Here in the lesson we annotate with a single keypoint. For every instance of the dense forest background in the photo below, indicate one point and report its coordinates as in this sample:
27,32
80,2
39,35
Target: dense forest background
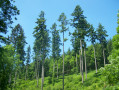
95,66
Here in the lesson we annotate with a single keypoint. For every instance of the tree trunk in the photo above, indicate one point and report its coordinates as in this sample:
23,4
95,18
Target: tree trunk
95,59
26,73
42,76
85,63
80,62
104,56
37,73
10,79
15,78
53,72
81,59
63,60
57,69
76,65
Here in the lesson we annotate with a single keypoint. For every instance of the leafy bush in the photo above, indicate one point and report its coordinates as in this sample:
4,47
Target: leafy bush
111,71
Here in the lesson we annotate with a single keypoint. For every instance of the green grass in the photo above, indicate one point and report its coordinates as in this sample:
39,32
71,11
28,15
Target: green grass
72,82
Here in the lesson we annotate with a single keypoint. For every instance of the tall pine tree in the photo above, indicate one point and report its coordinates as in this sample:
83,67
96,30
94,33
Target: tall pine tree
42,41
93,37
18,40
102,34
55,47
64,22
27,61
80,24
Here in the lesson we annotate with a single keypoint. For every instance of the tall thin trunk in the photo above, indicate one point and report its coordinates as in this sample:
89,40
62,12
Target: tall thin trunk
63,60
104,56
53,72
76,65
81,59
95,59
15,78
26,73
57,69
85,63
42,80
10,79
37,73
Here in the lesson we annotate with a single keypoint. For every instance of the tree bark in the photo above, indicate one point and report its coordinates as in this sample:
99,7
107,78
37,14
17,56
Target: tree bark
37,74
85,63
53,72
63,60
80,62
15,78
81,59
104,56
76,65
57,69
42,76
95,59
26,73
10,79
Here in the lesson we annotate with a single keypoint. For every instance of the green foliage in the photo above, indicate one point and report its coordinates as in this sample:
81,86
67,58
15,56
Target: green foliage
6,65
64,22
111,71
101,35
18,40
118,23
92,34
55,42
90,56
71,82
41,35
7,10
79,22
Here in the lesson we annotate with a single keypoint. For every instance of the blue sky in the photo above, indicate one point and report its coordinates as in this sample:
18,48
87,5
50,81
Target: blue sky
96,11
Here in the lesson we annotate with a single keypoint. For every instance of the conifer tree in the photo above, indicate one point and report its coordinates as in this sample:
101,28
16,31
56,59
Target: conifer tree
42,41
27,60
55,47
93,38
18,41
17,38
76,46
7,11
64,22
80,24
101,35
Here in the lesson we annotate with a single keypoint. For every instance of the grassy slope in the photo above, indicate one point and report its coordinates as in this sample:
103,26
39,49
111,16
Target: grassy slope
72,82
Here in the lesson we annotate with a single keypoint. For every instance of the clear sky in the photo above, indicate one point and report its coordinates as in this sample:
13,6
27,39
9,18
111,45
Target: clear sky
96,11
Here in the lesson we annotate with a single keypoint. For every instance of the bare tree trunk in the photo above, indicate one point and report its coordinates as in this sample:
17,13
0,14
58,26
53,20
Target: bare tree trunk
26,73
37,74
95,59
15,78
57,69
76,65
42,76
104,56
10,79
63,60
53,72
85,63
80,62
81,59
